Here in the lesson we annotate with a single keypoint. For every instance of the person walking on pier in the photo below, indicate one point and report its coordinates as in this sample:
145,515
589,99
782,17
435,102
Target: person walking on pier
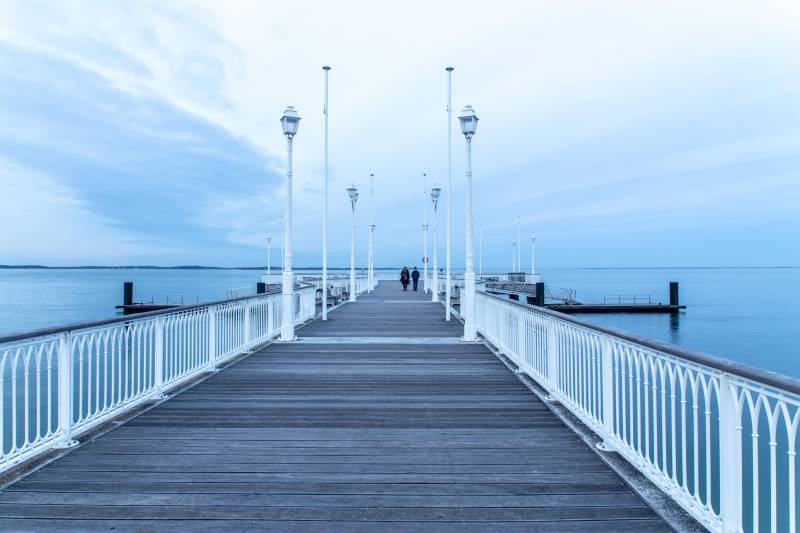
415,278
404,278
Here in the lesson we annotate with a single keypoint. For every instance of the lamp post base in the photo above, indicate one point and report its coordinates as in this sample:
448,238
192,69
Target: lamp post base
470,333
287,307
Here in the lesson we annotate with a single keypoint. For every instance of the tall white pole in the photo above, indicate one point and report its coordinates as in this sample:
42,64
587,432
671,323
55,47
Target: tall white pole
435,288
353,256
468,302
372,259
449,187
513,256
269,253
480,251
519,250
425,232
533,255
370,252
287,281
325,70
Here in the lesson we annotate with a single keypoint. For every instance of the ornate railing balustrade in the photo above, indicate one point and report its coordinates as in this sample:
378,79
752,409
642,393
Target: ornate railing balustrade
719,437
57,383
339,284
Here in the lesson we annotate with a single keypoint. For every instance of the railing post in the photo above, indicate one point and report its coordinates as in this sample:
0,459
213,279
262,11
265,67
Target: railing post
212,339
730,439
552,355
522,338
607,384
65,391
246,314
270,316
158,363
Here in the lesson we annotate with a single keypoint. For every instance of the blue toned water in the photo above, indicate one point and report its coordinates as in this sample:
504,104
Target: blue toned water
745,314
750,315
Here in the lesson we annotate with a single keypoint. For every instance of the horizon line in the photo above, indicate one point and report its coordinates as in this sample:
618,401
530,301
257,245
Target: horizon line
278,269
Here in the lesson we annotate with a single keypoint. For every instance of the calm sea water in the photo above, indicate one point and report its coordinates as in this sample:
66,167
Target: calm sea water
749,315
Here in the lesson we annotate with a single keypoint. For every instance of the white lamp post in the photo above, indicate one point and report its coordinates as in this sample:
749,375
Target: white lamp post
469,123
370,251
269,253
352,192
519,251
372,256
424,232
325,69
480,251
449,188
435,192
290,122
533,255
513,256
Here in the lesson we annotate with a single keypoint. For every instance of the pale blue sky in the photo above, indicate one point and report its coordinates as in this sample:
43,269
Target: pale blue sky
622,133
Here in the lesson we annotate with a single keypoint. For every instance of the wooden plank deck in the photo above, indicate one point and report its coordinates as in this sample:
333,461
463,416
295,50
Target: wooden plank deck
334,434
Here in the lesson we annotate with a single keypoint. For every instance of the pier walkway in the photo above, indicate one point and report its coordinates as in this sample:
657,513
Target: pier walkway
377,420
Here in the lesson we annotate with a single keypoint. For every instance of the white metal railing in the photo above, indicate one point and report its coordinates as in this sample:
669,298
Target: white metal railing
720,438
339,284
57,383
238,292
455,293
362,284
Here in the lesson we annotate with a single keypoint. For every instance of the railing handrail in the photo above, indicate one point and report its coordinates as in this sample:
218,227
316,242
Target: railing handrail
14,337
743,370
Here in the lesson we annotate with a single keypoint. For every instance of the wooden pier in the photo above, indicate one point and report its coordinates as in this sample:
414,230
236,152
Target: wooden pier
378,419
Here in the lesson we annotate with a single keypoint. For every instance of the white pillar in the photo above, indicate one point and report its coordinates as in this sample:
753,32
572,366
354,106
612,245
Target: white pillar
730,436
370,266
480,251
435,284
353,256
269,253
325,203
533,255
449,187
287,280
425,257
425,233
372,256
468,298
519,250
513,256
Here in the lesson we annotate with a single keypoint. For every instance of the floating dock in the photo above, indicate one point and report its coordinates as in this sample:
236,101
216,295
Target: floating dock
536,294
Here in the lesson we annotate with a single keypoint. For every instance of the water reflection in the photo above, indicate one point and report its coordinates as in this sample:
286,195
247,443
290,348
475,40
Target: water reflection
674,328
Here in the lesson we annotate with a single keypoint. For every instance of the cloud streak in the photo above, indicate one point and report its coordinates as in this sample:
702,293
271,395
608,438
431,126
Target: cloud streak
157,122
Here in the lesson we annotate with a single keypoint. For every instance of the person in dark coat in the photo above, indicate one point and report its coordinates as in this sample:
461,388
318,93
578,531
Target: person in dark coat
405,276
415,278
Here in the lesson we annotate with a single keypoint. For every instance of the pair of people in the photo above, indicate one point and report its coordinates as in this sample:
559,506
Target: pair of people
406,276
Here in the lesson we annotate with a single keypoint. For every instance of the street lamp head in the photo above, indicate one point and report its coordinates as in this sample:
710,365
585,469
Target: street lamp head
435,192
533,238
372,227
469,121
290,121
352,191
269,240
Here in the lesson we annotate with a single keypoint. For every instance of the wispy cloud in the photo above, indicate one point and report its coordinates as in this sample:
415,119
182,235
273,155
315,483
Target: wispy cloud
599,122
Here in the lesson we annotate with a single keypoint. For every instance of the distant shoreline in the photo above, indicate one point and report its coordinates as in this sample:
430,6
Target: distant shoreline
490,271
